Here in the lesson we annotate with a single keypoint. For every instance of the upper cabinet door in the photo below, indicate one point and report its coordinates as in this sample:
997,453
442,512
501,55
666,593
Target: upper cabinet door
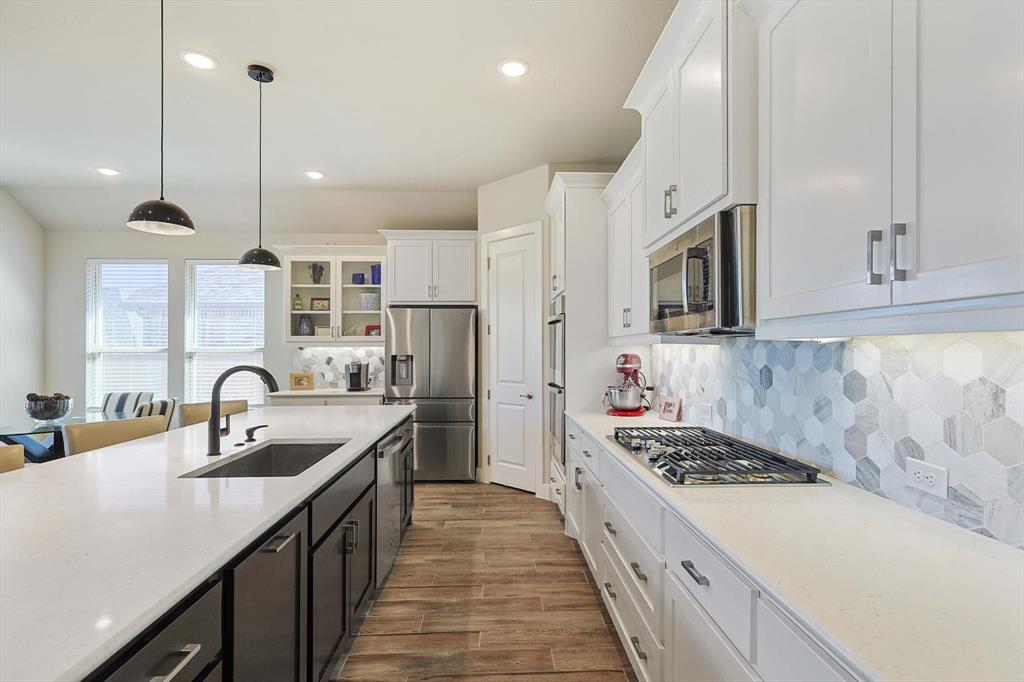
639,314
699,79
659,174
557,250
620,256
410,271
958,126
454,271
825,195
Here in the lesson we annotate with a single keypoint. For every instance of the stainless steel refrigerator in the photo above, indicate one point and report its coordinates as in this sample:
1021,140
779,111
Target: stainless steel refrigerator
430,362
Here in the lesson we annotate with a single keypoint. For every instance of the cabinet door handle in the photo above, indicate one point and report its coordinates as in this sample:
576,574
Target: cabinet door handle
187,652
873,277
665,205
670,210
430,289
576,476
354,525
554,282
608,589
586,453
896,230
611,529
637,572
276,544
695,574
635,641
435,291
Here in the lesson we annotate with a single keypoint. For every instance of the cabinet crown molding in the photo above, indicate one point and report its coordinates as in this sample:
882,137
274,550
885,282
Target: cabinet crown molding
625,177
427,234
651,80
566,181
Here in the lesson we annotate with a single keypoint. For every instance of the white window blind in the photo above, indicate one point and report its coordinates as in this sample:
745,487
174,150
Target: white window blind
224,307
126,328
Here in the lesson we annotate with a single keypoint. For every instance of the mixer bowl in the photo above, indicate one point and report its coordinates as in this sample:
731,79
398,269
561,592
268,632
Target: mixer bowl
626,398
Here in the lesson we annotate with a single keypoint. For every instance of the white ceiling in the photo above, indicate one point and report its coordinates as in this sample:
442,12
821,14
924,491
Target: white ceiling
378,95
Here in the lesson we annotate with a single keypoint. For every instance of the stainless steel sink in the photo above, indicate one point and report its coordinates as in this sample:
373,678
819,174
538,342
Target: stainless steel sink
269,460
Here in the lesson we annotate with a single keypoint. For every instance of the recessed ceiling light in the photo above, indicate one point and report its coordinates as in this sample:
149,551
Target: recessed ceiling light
513,68
107,171
198,60
315,175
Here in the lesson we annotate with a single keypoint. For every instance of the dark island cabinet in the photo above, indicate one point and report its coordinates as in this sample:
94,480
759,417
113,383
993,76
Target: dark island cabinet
341,579
268,608
407,486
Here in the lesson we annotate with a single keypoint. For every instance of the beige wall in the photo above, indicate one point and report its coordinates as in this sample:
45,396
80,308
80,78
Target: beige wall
514,200
22,291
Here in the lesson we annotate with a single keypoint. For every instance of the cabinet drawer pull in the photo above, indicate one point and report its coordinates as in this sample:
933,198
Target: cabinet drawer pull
637,572
573,437
695,574
610,527
635,641
187,652
896,230
872,276
586,453
276,544
608,589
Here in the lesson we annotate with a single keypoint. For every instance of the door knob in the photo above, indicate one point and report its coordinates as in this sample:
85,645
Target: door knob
528,396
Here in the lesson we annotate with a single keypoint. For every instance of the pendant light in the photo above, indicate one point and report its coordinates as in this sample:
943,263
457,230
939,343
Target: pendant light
159,216
260,258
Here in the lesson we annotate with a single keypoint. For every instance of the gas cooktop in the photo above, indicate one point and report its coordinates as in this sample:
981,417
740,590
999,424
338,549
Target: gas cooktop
693,455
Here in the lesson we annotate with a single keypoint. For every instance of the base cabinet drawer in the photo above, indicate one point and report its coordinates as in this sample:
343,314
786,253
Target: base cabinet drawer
726,596
641,568
557,487
642,647
330,504
696,649
633,498
785,654
590,454
183,648
593,528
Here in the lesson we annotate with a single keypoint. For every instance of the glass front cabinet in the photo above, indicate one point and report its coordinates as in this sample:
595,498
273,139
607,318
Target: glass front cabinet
334,300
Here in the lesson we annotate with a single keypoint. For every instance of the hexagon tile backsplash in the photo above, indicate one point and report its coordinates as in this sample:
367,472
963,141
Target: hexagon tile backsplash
860,407
328,364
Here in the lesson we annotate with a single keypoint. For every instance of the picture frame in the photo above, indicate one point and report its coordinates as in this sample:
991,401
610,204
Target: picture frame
320,305
671,409
301,381
372,330
322,331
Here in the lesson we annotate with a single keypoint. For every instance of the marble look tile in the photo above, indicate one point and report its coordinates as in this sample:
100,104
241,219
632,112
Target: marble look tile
880,389
925,426
964,508
855,386
1004,440
868,474
856,441
962,361
906,447
1015,482
909,391
962,433
1004,518
983,474
984,400
1015,402
943,395
894,422
866,414
822,408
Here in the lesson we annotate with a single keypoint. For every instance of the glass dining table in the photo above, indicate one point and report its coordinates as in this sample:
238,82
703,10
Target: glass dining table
25,431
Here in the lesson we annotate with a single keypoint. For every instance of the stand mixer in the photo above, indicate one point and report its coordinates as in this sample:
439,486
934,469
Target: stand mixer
627,399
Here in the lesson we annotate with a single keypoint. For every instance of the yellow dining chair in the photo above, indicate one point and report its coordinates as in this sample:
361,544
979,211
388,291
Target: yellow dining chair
194,413
11,457
80,438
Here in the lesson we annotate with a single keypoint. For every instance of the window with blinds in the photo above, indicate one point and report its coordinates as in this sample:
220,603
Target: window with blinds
224,306
126,328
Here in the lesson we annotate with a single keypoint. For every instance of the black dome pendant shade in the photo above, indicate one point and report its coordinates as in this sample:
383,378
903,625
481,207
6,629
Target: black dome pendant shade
159,216
260,258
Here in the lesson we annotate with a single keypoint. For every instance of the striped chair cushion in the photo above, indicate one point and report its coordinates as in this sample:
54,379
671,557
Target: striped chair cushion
164,408
124,402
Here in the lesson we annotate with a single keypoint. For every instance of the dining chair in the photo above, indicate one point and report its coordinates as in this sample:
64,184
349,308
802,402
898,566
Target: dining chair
165,408
11,457
124,402
194,413
80,438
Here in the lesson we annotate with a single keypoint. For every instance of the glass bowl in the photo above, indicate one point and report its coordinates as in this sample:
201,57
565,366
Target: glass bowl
48,411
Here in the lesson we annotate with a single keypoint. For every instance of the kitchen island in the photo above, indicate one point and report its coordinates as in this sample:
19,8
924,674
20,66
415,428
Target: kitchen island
96,548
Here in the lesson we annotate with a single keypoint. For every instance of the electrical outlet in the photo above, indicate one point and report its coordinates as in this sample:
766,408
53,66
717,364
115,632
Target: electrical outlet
930,478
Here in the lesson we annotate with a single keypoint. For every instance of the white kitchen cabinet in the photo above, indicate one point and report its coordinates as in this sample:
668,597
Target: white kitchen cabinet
696,649
431,266
556,247
958,168
628,273
593,511
574,495
340,311
786,654
696,97
884,185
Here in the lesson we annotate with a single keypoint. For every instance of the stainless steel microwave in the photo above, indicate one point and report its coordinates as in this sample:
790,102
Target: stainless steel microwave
702,282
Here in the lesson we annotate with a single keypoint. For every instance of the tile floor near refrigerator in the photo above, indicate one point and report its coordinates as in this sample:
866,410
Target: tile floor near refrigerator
487,587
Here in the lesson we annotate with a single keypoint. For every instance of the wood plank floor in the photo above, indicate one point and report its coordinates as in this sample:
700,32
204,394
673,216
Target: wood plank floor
487,588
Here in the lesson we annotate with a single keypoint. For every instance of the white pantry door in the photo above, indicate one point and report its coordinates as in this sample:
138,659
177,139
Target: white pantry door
514,361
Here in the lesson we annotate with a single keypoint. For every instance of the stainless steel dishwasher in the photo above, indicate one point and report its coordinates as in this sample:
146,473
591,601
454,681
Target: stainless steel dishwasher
391,457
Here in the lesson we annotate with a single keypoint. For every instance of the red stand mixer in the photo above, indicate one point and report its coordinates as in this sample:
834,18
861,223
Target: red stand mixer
627,399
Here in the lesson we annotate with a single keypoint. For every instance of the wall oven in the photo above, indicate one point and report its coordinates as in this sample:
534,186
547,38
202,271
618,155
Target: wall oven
702,282
554,413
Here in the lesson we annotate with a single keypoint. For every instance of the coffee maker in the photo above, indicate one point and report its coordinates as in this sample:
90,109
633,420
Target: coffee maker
356,376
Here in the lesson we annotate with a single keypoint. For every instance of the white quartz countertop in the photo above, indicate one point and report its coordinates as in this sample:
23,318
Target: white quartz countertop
895,593
326,393
95,547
